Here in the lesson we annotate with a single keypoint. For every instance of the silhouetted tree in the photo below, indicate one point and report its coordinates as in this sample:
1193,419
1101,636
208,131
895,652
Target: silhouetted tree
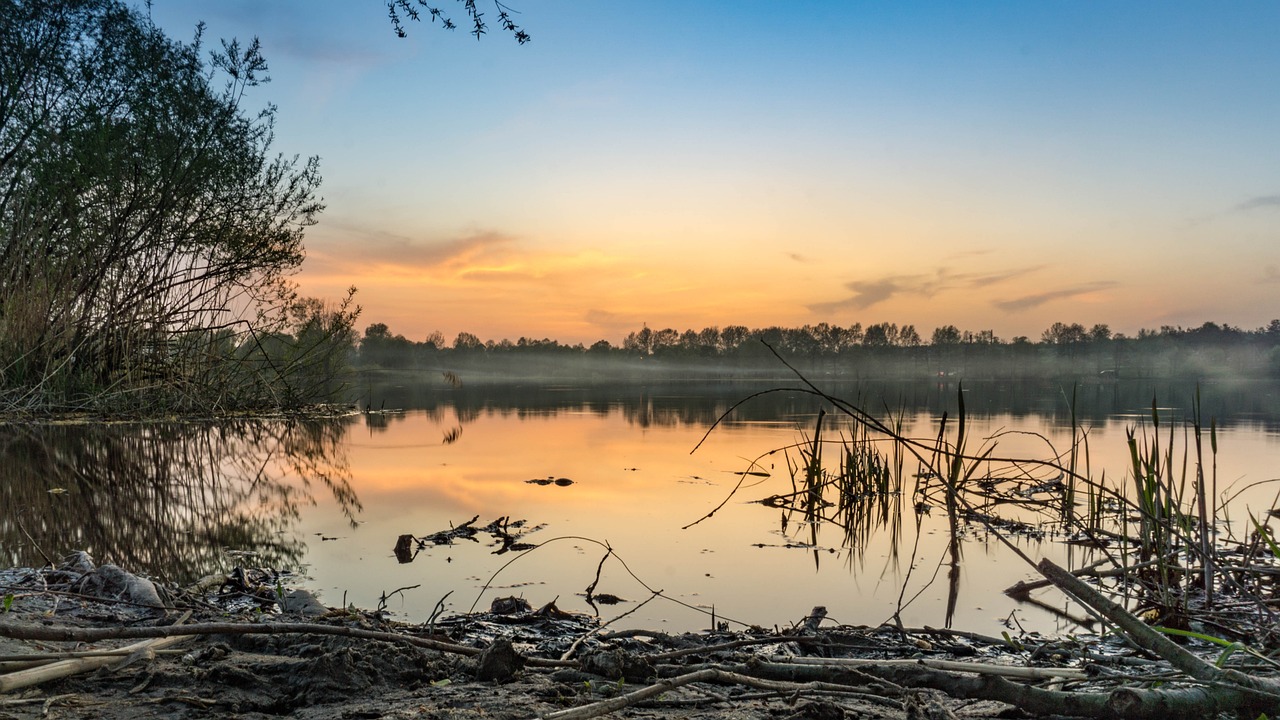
142,212
1063,334
945,335
467,342
410,9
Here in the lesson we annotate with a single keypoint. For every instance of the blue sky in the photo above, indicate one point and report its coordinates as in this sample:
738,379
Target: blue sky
683,164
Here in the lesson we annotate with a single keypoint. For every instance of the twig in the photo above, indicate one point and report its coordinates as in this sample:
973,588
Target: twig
1024,673
569,653
603,707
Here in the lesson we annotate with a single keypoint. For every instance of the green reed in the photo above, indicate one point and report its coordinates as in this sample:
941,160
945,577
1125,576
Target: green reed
1157,529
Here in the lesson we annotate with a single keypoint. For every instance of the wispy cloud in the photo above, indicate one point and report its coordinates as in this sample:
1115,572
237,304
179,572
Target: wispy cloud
867,293
798,257
1262,201
392,253
1038,299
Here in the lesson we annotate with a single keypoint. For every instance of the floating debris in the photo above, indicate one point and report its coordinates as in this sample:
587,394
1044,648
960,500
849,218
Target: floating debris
408,546
550,480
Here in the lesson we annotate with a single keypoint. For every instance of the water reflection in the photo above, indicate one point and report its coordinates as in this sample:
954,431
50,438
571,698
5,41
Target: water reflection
168,499
672,403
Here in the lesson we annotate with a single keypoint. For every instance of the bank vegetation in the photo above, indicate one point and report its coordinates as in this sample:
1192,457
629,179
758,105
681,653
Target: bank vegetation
147,228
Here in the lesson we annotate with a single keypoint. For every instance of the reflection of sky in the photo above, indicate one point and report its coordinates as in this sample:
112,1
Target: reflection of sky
410,482
997,166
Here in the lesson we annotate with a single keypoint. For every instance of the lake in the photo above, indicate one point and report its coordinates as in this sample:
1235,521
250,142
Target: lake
329,499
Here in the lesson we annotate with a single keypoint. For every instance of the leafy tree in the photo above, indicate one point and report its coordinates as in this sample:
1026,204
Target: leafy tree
908,337
1063,334
413,9
142,212
946,335
881,335
467,342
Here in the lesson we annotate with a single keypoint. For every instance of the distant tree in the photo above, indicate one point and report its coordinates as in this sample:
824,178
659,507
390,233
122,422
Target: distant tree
466,342
908,337
1063,334
665,340
1099,333
982,337
734,336
434,340
410,9
881,335
945,335
709,341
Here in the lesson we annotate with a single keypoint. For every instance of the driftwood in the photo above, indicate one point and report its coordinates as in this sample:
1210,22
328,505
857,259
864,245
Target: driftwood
889,682
71,634
1228,690
34,676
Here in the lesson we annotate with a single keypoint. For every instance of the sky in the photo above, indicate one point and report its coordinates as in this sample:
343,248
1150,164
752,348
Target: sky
989,165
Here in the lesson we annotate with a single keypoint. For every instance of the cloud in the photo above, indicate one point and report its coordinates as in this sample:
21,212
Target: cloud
611,322
1038,299
1262,201
867,293
798,257
363,249
1270,275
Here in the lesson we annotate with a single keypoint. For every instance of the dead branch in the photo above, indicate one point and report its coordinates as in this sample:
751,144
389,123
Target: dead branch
603,707
74,666
71,634
1153,641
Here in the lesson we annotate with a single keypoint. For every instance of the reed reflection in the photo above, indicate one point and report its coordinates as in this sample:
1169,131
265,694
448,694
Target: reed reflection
169,499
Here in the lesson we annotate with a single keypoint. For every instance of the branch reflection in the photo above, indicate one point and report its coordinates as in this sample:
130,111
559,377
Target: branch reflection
168,499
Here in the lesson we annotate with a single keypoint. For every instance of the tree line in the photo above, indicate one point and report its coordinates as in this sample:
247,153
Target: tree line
1166,350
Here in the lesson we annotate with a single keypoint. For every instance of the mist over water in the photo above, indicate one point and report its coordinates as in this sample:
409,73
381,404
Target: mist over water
331,498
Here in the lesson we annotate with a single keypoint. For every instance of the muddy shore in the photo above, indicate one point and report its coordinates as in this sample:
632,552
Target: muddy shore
286,655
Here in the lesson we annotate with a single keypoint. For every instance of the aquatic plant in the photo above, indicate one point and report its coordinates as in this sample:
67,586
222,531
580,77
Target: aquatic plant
1160,538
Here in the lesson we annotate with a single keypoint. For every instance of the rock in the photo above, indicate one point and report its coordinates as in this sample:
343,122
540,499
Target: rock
302,602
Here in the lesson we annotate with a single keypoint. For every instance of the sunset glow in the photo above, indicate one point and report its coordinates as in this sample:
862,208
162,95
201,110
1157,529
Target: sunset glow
705,164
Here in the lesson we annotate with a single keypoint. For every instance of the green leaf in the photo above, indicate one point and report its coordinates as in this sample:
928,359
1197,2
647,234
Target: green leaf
1265,534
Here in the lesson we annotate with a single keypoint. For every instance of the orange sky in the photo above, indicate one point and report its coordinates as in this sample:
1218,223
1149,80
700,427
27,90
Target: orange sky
992,167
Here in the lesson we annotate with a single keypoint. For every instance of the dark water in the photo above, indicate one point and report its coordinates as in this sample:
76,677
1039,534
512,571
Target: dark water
329,498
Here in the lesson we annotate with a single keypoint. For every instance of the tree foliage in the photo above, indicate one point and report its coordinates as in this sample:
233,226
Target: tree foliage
147,231
400,10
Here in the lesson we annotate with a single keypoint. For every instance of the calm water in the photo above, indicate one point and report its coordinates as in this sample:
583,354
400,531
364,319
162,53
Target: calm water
329,499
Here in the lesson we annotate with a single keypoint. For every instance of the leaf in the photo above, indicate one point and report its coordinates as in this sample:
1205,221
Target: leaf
1265,534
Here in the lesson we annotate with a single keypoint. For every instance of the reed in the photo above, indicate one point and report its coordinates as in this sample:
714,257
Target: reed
1160,531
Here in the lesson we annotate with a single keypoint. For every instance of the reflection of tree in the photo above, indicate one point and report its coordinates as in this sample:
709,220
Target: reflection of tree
675,403
167,498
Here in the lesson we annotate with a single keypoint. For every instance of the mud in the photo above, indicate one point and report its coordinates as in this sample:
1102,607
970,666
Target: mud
326,676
